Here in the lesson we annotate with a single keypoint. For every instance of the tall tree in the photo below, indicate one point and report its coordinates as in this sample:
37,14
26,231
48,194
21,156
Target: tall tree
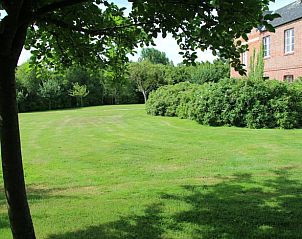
147,76
154,56
80,32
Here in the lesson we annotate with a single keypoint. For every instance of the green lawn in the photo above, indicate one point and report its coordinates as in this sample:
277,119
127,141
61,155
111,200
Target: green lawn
113,172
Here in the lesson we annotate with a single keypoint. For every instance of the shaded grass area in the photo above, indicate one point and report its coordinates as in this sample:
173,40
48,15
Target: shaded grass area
224,210
114,172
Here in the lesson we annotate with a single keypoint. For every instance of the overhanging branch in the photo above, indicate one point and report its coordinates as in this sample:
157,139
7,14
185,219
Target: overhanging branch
55,6
94,32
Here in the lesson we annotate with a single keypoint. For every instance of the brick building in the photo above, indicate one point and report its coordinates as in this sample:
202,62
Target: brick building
282,49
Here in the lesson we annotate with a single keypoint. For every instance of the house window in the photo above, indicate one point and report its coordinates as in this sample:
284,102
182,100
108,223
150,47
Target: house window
289,41
244,59
267,46
288,78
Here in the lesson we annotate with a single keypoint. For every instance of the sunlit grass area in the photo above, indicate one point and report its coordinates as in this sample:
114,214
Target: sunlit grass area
113,172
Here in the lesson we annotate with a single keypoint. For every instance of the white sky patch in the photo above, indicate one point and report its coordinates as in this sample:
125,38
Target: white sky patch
124,4
279,3
170,47
3,13
25,55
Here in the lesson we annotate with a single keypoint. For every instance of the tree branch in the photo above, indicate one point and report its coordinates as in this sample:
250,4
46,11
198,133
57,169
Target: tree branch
55,6
94,32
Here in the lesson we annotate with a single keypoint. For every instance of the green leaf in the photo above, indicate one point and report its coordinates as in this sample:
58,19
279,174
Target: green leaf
271,17
269,27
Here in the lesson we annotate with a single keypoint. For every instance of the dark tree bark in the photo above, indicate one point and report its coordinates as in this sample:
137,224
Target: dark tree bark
12,37
13,176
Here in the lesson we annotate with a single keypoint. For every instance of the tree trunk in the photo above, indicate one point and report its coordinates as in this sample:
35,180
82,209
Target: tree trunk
13,176
12,38
145,96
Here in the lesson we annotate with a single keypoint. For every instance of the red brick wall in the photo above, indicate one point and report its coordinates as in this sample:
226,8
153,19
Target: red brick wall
279,64
254,42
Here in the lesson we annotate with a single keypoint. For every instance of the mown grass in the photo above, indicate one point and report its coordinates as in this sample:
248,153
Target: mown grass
113,172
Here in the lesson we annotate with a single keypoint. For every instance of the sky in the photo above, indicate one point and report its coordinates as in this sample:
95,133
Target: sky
167,45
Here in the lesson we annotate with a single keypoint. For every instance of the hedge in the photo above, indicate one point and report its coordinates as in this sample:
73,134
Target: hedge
232,102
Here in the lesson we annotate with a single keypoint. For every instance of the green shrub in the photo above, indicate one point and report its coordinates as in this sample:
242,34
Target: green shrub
186,99
209,72
232,102
165,100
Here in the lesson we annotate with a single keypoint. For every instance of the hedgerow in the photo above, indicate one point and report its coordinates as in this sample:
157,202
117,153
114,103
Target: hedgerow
232,102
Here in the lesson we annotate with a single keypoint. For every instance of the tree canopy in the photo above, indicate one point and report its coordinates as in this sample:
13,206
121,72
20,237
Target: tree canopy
154,56
70,31
147,76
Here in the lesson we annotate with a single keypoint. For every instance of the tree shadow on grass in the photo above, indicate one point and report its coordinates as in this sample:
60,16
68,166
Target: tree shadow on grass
33,195
146,226
229,210
234,209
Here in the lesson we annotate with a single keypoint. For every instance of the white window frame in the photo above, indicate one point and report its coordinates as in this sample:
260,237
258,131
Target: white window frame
289,41
244,59
266,46
288,78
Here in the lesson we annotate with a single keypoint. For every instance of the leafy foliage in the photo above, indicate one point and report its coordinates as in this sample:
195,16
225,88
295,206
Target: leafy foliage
232,102
79,92
61,38
177,74
209,72
41,89
147,76
44,89
166,99
201,25
256,69
61,34
50,90
154,56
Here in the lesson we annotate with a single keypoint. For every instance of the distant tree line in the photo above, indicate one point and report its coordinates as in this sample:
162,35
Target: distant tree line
46,89
41,89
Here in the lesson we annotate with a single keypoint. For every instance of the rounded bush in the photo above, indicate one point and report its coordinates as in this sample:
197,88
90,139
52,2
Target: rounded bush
165,100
